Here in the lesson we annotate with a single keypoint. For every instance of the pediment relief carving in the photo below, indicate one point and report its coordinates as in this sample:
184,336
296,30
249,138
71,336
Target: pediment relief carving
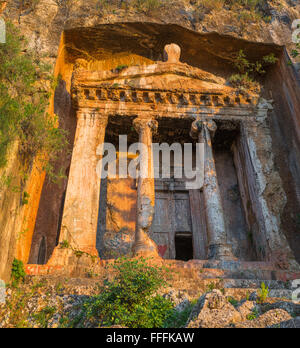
170,82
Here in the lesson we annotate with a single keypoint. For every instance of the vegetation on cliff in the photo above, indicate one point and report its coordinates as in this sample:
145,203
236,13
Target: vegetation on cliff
132,293
247,10
248,72
130,299
129,295
25,85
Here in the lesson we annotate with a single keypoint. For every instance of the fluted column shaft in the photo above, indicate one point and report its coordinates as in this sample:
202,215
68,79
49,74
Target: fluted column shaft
144,245
218,247
80,216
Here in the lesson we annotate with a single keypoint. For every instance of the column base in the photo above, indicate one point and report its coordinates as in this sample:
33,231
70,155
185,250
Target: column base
220,252
145,250
73,257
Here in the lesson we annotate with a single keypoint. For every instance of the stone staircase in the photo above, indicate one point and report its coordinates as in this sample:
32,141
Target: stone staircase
198,274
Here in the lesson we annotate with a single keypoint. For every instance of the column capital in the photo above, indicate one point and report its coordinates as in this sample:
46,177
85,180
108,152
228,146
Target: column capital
92,116
142,123
198,126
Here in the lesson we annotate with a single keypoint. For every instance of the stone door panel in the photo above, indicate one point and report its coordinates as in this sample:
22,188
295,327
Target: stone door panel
182,213
173,217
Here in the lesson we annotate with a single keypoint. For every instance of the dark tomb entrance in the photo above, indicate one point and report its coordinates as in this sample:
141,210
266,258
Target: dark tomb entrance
184,247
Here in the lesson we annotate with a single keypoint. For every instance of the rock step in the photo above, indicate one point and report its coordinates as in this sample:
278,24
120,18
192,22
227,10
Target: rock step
236,269
201,269
256,283
249,274
278,289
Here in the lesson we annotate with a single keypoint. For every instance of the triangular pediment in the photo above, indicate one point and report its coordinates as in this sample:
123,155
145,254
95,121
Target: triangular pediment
163,86
159,76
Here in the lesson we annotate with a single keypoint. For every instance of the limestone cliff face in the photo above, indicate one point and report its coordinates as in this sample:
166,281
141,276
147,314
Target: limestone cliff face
62,32
43,21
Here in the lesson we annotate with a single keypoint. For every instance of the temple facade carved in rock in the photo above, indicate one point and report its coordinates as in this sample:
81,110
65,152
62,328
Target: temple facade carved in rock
166,102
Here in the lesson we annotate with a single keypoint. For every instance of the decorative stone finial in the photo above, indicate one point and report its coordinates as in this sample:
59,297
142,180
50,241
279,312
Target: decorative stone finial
172,53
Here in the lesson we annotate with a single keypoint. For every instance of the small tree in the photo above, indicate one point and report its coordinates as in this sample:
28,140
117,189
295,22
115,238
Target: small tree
17,273
131,298
248,71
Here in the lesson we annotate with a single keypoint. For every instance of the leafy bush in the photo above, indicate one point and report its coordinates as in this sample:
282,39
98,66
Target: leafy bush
178,319
253,315
131,298
233,301
249,71
25,84
243,81
17,273
246,8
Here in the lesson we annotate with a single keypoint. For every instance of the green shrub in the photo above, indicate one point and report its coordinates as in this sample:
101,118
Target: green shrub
253,315
177,319
149,5
263,293
43,317
25,89
295,53
130,299
119,68
64,245
243,81
17,273
233,301
25,198
249,71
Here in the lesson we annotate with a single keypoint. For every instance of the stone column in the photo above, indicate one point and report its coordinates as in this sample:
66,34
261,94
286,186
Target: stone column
80,216
218,247
144,245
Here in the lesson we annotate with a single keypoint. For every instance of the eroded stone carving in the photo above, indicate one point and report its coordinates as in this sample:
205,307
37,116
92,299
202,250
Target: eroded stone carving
144,245
172,53
168,89
218,246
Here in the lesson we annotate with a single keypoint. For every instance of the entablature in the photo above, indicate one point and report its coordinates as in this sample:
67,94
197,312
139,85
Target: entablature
166,89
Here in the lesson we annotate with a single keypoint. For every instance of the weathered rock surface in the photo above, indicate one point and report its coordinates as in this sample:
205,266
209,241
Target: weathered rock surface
290,324
83,38
213,310
246,308
273,317
58,302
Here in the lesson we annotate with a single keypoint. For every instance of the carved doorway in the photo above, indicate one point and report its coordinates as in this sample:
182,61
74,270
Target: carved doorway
179,226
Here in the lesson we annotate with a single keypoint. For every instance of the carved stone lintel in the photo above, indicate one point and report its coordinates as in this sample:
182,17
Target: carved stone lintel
91,114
